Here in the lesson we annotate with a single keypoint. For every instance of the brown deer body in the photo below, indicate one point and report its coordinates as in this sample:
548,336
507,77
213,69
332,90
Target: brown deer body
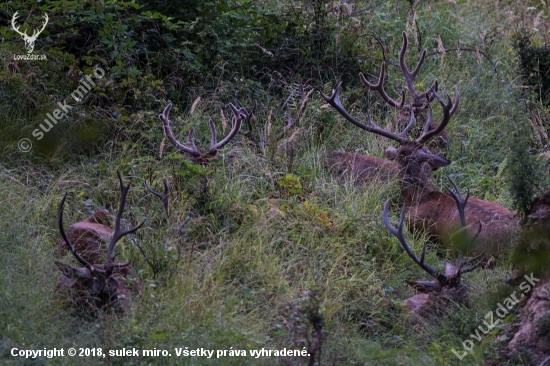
363,169
435,212
427,208
90,236
438,219
97,285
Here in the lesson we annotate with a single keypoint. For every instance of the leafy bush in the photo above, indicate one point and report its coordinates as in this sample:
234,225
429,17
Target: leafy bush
535,65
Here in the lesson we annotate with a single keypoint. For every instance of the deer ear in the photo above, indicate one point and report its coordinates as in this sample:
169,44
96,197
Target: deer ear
425,286
391,153
72,271
416,301
450,269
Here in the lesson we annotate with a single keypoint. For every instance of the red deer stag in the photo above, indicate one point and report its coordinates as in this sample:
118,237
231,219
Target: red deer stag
429,209
191,149
446,288
365,168
97,286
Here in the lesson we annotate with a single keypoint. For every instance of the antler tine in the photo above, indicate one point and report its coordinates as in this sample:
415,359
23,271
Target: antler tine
164,197
60,210
16,29
399,234
213,135
460,205
334,100
428,94
456,102
429,121
35,32
236,122
379,87
118,233
412,121
460,202
478,231
448,110
191,139
409,76
193,151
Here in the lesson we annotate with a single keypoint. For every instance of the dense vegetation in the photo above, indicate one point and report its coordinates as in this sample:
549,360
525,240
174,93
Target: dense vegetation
278,253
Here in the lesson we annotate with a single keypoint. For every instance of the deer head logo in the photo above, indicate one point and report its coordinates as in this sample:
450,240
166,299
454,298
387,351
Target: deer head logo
29,41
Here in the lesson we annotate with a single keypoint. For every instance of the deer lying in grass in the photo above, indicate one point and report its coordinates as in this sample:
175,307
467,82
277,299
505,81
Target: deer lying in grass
97,286
447,287
366,168
191,149
363,169
428,209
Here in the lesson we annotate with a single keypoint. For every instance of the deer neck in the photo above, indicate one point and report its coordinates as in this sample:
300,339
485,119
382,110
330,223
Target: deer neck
415,184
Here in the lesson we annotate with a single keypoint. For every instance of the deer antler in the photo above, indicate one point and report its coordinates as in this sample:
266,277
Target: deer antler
451,277
449,109
36,33
399,235
164,197
98,285
419,102
401,138
24,34
409,76
198,157
461,204
60,210
118,232
334,100
15,28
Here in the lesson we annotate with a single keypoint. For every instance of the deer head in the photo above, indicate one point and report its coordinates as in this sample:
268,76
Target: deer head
446,287
29,41
191,149
412,153
95,285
